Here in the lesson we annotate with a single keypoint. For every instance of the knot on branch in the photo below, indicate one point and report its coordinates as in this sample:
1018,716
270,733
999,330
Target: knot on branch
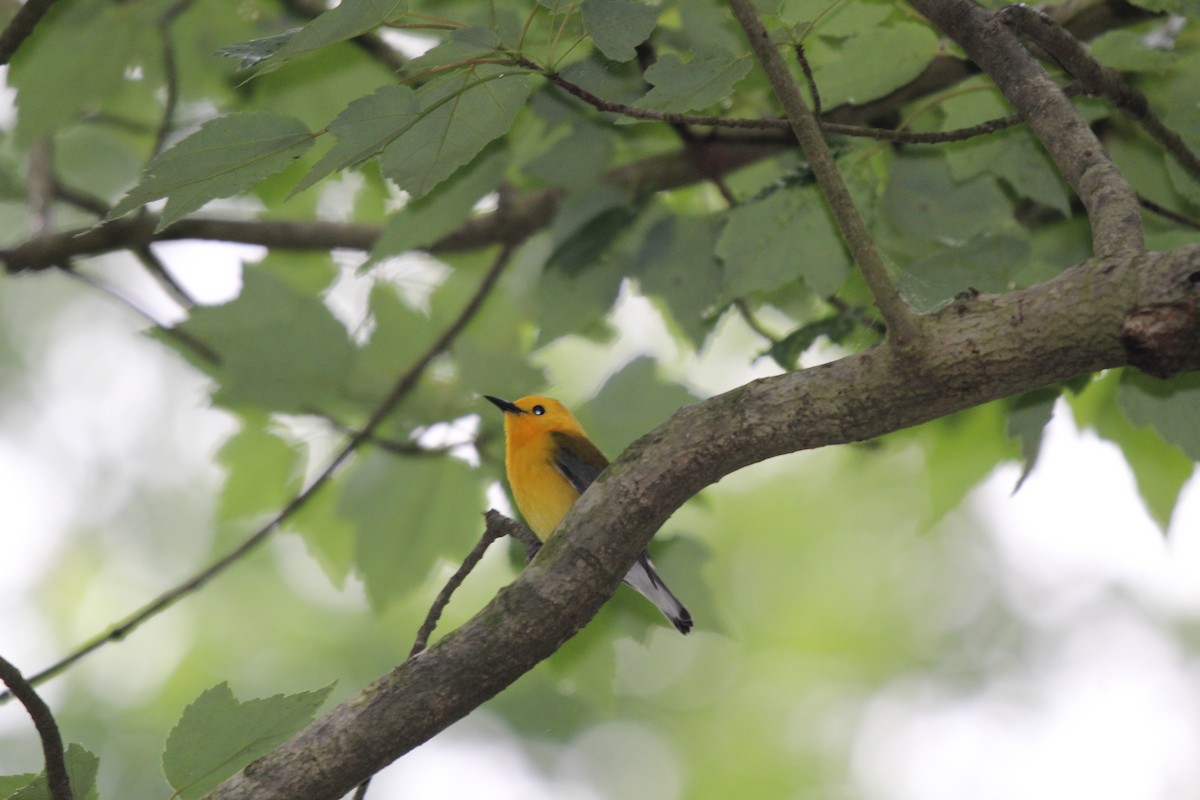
1164,338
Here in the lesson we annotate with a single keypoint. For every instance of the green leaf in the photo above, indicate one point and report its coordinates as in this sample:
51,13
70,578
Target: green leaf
787,351
225,157
256,50
263,472
616,27
872,63
678,264
960,451
344,21
366,126
986,262
400,335
423,222
1012,155
280,349
787,236
1127,51
459,116
216,735
614,422
327,537
1027,419
1170,407
577,160
82,769
1159,469
76,59
704,81
462,45
1184,8
407,512
594,238
924,201
11,783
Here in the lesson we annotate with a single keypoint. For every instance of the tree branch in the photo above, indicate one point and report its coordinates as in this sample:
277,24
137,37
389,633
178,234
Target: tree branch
21,26
1055,331
991,43
47,728
405,384
1101,80
902,324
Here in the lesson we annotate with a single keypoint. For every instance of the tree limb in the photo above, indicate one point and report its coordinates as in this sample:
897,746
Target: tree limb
1068,326
902,322
991,43
47,728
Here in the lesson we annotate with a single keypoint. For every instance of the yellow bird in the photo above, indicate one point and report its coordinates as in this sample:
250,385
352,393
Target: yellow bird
550,461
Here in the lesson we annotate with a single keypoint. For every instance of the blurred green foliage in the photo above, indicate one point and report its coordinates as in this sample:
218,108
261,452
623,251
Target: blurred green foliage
815,580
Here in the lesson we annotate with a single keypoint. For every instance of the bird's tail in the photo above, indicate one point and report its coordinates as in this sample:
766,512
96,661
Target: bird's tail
645,580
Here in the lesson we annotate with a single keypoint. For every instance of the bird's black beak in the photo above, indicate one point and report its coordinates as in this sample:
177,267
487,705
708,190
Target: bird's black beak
504,405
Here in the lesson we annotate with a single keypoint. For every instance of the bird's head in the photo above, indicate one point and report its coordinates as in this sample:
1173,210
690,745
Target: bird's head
534,415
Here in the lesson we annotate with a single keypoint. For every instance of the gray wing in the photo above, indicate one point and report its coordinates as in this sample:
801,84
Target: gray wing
577,460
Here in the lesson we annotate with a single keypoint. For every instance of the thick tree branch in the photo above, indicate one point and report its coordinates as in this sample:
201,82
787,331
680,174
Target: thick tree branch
902,322
1055,331
992,44
47,728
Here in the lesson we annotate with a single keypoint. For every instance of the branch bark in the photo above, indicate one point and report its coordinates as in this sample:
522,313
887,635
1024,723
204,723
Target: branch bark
1071,325
902,322
57,779
991,43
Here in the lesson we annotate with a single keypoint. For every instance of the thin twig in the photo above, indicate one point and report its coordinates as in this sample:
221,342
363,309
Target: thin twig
20,26
405,384
743,308
170,74
809,78
47,728
158,271
490,534
1166,213
169,331
902,322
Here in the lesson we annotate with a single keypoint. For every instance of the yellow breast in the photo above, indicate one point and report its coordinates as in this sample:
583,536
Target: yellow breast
543,494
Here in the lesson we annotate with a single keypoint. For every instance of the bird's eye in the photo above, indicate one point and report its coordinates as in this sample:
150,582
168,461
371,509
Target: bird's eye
538,410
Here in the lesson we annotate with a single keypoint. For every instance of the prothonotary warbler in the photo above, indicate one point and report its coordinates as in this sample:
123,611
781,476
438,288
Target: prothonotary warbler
550,461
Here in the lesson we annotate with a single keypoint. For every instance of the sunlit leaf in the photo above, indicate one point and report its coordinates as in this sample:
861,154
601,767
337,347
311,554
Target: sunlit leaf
408,512
217,735
279,349
262,471
82,769
1160,469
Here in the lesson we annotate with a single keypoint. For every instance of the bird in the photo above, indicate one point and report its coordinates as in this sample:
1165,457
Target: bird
550,461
